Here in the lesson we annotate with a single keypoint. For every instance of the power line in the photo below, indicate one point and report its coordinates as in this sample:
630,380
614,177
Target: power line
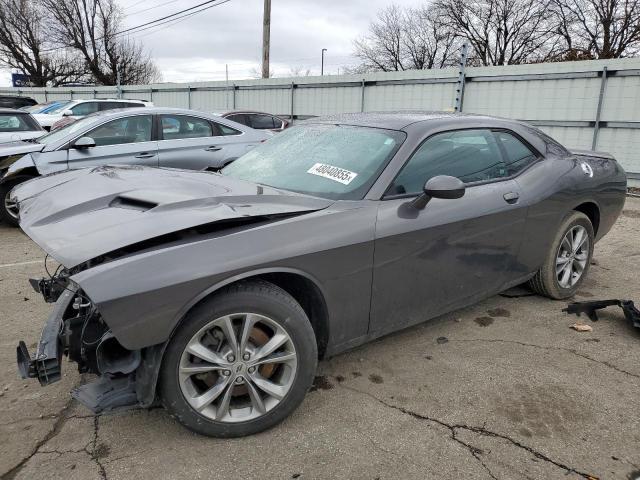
135,4
171,16
174,20
150,8
162,21
170,23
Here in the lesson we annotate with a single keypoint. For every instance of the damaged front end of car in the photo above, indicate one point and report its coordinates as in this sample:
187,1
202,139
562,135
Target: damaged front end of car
119,235
75,329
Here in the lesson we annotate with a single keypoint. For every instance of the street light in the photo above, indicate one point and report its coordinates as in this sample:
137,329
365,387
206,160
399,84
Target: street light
322,63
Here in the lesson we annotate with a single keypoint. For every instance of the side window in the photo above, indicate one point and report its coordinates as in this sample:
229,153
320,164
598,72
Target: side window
470,155
123,130
517,154
239,118
85,108
262,122
113,105
181,126
16,123
226,130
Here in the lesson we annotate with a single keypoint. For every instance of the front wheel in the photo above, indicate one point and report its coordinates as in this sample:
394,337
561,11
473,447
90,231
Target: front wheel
240,363
568,260
8,207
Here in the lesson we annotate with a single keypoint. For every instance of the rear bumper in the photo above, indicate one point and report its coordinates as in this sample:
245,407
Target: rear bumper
45,365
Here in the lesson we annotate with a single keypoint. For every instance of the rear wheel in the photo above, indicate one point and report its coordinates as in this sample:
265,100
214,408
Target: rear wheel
568,260
241,362
9,207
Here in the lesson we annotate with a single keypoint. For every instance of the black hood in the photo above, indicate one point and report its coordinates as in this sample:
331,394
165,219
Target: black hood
79,215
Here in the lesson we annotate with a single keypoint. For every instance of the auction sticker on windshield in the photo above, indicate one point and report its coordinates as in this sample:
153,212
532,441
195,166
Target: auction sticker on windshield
333,173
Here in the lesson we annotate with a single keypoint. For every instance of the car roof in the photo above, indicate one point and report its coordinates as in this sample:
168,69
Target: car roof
399,120
82,100
13,110
232,112
118,112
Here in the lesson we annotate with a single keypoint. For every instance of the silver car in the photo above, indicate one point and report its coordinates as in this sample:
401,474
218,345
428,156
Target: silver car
158,137
17,125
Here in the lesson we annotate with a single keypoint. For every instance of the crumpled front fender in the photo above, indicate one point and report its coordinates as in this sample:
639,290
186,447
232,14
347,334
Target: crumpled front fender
17,166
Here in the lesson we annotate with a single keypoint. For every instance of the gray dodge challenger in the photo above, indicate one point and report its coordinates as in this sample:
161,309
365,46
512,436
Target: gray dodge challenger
215,294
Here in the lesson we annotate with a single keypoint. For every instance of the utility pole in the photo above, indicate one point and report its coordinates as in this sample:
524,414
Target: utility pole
266,36
322,62
461,78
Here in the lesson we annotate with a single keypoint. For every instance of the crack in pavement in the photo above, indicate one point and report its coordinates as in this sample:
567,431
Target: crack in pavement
61,419
93,453
475,452
550,347
480,431
91,449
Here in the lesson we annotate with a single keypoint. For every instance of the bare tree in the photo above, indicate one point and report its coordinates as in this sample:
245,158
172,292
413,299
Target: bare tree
299,72
24,45
91,27
402,39
256,73
503,32
429,42
598,28
381,48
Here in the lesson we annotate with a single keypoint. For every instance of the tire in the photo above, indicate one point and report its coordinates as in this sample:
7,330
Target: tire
547,281
6,216
237,411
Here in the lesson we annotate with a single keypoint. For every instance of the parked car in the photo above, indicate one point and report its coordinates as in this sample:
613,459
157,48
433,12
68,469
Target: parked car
16,125
219,292
75,109
15,101
257,120
43,107
180,139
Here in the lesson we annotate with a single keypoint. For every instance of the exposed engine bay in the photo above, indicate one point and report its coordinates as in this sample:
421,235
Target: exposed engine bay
76,330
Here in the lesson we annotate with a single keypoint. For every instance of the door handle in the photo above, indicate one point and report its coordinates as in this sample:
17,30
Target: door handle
213,148
511,197
145,155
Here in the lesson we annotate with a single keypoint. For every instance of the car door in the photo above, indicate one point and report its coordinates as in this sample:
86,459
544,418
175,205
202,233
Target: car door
454,251
196,143
125,140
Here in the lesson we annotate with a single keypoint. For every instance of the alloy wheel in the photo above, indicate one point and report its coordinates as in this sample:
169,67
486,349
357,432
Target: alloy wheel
237,368
572,257
10,205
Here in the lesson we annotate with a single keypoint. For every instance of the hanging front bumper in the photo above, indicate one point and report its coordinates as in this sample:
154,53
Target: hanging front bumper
45,364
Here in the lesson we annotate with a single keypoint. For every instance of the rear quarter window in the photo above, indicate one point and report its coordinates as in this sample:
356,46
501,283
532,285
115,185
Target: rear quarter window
517,155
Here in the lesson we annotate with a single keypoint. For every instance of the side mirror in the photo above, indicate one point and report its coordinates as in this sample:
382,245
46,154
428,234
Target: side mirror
442,186
67,113
84,142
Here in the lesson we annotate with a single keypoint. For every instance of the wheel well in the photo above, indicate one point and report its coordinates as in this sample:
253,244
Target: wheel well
22,175
592,211
310,298
307,294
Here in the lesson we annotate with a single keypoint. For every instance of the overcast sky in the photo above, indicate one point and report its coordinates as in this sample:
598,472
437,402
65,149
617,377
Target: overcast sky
198,47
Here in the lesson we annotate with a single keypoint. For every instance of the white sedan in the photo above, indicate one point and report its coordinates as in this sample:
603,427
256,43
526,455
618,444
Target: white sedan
16,125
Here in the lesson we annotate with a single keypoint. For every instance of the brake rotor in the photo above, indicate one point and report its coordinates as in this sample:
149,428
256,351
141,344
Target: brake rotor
258,338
